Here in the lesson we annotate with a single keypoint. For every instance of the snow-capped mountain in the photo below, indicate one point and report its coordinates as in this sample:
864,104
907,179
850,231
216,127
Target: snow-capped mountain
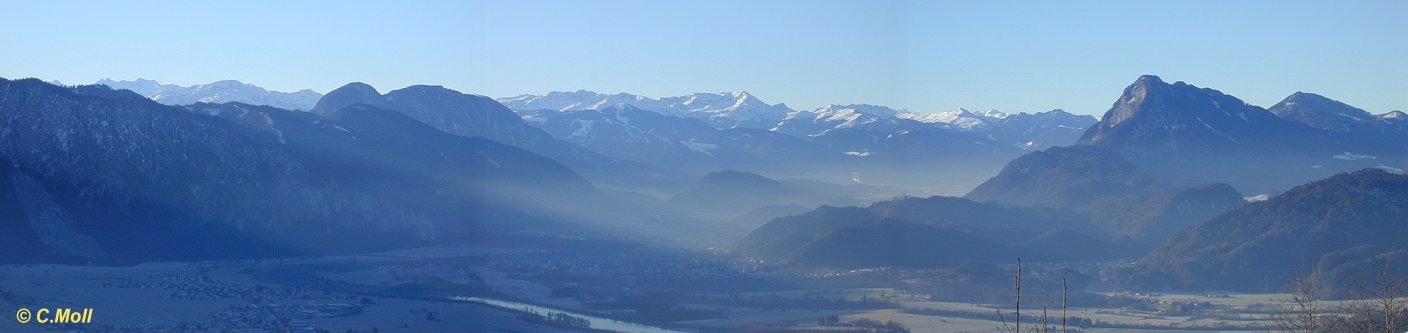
960,118
1394,116
628,132
809,123
1041,130
722,110
843,143
1029,131
743,110
217,92
728,110
580,100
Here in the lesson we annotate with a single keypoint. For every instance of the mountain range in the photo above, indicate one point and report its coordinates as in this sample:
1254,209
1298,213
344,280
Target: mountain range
1186,135
100,175
1155,125
95,174
722,110
864,144
697,133
1164,159
217,92
744,110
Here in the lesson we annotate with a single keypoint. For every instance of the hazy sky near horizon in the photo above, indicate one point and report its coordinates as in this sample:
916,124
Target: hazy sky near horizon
919,55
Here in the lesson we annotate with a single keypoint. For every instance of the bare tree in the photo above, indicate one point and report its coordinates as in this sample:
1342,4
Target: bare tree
1045,327
1017,327
1063,304
1303,312
1380,305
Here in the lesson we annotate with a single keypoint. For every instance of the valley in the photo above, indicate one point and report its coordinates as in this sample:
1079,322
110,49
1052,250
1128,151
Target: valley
728,166
425,209
401,290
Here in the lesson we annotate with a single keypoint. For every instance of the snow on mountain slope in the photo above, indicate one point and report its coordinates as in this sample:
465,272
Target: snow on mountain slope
960,118
744,110
579,100
722,110
831,117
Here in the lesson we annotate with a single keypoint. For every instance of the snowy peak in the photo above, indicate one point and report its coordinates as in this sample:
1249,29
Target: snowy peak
564,101
994,114
1394,115
865,109
742,109
960,118
824,119
725,103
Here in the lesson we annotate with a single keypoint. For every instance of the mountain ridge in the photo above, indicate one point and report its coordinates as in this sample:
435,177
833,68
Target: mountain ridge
1187,135
217,92
1260,245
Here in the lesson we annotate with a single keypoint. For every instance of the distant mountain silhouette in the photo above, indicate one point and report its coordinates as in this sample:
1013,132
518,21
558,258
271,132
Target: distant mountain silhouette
1119,200
1037,131
724,110
444,109
1064,177
924,232
897,244
626,132
217,92
1143,221
780,239
731,193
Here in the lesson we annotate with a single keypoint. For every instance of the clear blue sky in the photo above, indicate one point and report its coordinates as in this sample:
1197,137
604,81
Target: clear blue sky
919,55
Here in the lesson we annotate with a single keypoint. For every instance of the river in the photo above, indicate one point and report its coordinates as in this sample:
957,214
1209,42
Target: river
596,322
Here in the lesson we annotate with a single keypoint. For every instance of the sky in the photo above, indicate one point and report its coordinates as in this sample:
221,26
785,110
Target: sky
925,56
